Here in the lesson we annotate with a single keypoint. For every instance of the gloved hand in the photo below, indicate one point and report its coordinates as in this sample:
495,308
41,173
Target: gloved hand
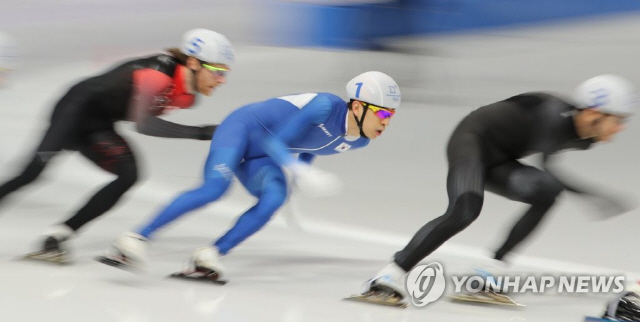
315,182
207,131
608,206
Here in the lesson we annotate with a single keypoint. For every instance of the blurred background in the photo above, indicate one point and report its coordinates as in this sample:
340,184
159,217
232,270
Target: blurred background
448,57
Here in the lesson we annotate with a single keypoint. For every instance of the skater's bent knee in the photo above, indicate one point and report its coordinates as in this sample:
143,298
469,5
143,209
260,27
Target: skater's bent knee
551,189
544,191
276,196
470,203
128,174
466,209
271,202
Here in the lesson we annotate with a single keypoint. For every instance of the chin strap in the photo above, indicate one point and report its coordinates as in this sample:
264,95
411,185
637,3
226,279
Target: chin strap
595,123
195,80
361,121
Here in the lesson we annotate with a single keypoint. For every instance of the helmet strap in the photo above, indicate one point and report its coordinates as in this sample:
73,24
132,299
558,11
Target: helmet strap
361,120
594,123
194,73
194,79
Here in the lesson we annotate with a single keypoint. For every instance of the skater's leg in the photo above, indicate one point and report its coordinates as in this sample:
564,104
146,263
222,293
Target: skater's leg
465,183
63,124
111,152
465,189
208,192
108,150
28,175
227,150
265,180
528,185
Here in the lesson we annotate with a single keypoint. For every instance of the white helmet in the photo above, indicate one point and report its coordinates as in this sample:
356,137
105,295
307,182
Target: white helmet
375,88
609,94
208,46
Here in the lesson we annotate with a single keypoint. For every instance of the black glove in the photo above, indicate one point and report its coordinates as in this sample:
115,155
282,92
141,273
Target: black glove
606,206
610,206
206,132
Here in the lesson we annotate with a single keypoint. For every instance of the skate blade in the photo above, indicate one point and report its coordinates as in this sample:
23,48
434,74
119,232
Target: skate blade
377,299
495,300
44,257
117,264
198,278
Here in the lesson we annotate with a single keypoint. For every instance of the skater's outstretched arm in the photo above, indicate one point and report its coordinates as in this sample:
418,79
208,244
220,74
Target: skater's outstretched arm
607,204
547,165
155,126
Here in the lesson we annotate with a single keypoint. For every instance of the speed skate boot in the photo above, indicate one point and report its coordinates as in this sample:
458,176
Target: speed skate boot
204,265
53,249
130,252
490,289
625,307
387,288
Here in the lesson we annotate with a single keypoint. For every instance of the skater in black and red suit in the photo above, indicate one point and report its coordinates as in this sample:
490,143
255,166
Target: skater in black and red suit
138,91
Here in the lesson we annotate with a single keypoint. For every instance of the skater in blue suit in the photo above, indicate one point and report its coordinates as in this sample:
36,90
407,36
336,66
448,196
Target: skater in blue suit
255,143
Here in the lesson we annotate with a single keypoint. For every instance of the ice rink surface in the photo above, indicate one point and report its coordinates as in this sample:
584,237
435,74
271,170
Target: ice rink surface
289,273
